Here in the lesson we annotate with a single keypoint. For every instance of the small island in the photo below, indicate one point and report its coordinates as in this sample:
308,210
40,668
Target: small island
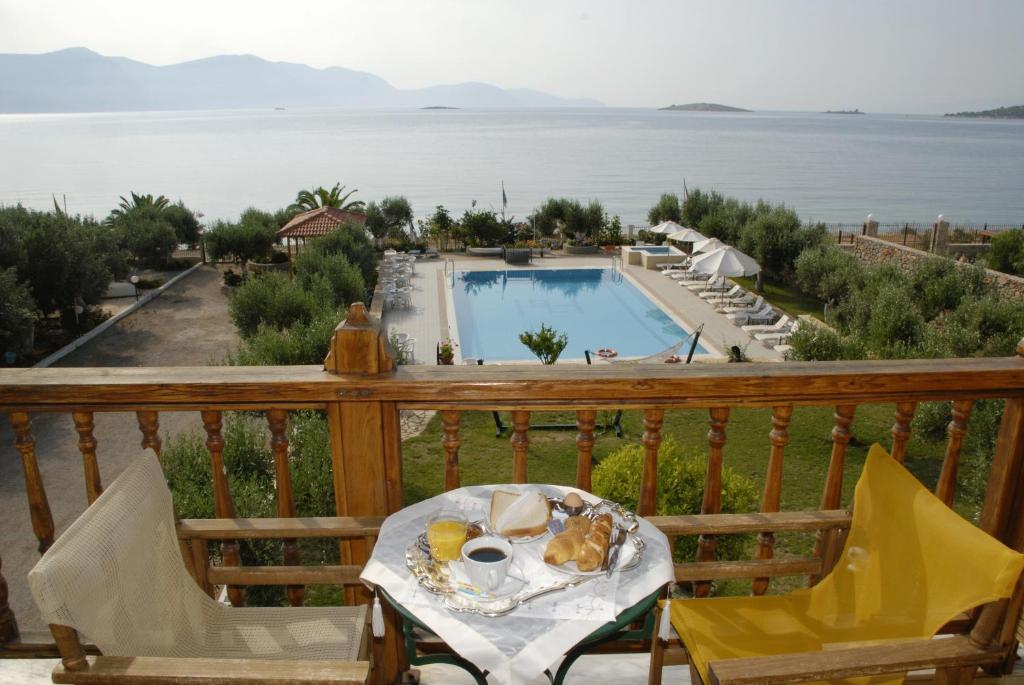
1014,112
439,107
843,111
701,107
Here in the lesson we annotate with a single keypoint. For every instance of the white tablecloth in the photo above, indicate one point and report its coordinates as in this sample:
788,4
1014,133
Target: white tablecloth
517,647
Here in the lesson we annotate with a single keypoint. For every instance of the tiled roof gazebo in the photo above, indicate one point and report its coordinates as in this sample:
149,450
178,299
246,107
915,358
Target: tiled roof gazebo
315,223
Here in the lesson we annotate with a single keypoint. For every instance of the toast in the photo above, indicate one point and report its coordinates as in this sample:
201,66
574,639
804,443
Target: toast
519,515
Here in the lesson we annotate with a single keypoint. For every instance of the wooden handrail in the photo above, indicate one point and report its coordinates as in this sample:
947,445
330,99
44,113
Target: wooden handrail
483,387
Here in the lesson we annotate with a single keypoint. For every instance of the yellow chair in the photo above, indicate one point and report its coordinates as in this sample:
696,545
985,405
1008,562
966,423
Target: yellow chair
910,565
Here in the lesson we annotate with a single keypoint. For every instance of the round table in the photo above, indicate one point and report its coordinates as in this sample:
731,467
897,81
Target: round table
527,642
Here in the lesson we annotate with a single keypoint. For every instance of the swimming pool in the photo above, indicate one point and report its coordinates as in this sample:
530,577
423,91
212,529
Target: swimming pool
594,307
652,249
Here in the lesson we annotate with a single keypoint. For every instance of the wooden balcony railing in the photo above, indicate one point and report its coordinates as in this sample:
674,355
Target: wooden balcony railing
361,392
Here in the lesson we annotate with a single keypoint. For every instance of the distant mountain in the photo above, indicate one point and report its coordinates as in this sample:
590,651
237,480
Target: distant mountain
843,111
1015,112
80,80
701,107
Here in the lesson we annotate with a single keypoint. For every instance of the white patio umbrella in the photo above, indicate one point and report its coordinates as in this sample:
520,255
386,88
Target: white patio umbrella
687,235
726,261
665,227
708,245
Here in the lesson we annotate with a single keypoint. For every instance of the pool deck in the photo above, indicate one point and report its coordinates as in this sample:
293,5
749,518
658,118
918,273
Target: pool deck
427,319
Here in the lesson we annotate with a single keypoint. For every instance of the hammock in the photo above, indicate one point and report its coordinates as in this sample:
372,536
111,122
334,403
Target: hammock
656,358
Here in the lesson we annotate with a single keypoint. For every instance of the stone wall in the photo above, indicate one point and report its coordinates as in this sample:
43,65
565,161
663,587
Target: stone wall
875,252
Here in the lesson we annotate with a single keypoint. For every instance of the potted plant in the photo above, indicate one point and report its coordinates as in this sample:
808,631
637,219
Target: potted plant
446,352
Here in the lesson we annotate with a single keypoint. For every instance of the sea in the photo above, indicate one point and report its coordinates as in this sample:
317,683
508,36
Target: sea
829,167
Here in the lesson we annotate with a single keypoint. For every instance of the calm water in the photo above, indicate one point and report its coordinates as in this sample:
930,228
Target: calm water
829,167
493,307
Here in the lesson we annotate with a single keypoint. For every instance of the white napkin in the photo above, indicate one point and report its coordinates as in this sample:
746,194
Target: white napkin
515,510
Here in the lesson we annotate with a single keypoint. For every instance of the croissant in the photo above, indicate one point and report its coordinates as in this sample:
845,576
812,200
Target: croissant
580,523
563,547
595,545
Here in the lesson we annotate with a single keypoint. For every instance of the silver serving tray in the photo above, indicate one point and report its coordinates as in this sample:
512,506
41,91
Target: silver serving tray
434,576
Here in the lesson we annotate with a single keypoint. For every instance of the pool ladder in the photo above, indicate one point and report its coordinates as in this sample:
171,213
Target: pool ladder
617,262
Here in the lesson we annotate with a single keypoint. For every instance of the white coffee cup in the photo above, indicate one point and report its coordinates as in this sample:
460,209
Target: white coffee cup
487,560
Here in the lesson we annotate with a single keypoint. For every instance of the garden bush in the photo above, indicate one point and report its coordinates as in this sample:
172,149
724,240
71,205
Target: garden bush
827,273
698,204
1007,252
666,209
680,490
252,238
819,344
350,240
17,312
726,220
184,222
313,268
939,285
275,301
775,237
301,343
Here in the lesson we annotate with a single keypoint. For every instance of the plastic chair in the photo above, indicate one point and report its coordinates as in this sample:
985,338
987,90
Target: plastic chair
909,566
117,577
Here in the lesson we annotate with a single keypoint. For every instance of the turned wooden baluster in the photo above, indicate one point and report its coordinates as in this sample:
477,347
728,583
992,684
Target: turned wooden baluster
901,429
222,504
520,443
772,499
957,429
38,505
825,542
85,425
450,441
278,422
651,439
712,503
585,421
149,424
8,626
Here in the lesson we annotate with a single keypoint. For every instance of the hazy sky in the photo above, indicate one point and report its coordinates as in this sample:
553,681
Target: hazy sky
879,55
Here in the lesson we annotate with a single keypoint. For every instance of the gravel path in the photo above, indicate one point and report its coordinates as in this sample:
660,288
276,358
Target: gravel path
188,325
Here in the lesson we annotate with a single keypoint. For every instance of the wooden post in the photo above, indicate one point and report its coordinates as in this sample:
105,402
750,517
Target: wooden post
832,495
366,458
450,442
772,499
901,429
277,419
520,445
712,502
585,420
945,489
71,653
38,505
149,424
222,505
84,425
653,418
8,626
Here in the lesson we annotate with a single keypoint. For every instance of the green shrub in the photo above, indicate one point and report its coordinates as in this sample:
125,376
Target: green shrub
547,343
17,312
995,324
344,281
250,467
301,343
827,273
680,490
1007,252
252,238
272,300
481,228
775,237
895,325
818,344
938,285
726,220
698,204
184,222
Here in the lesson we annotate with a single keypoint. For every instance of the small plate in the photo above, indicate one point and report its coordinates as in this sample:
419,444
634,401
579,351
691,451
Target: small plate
511,586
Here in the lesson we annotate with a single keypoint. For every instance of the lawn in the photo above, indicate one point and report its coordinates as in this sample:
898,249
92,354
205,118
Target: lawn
786,298
552,455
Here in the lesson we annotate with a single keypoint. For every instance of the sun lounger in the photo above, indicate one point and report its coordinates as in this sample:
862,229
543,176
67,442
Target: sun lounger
697,279
766,313
784,322
786,350
735,291
757,304
688,275
718,285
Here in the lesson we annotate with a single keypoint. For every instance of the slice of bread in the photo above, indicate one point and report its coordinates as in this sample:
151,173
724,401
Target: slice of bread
519,515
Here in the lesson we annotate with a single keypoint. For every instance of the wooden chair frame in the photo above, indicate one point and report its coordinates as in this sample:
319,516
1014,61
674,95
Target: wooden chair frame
195,534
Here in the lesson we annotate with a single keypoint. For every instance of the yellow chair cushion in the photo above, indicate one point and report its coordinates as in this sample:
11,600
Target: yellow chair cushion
910,564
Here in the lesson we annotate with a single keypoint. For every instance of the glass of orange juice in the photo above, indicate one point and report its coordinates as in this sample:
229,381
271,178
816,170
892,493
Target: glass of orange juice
446,533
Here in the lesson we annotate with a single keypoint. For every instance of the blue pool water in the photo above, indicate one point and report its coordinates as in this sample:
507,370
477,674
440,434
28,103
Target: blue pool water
652,249
594,307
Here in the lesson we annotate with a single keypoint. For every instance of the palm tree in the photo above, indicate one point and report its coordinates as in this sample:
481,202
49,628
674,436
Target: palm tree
321,197
138,203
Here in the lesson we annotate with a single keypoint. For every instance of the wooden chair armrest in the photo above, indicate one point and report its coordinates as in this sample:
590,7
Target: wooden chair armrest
265,528
834,664
731,524
122,670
